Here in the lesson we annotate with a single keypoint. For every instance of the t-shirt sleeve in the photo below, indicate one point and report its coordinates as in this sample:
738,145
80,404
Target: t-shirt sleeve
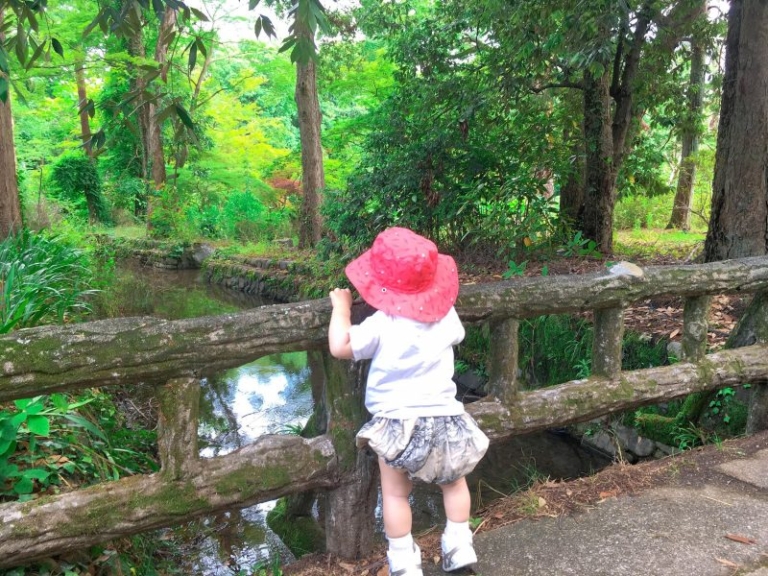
364,338
457,328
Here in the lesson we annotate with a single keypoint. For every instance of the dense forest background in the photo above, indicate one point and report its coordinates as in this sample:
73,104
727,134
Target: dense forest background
507,129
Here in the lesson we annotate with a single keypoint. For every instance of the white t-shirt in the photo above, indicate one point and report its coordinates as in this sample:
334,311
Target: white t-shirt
411,365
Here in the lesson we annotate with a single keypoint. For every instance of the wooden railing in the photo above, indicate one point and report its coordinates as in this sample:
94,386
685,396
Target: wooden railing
175,355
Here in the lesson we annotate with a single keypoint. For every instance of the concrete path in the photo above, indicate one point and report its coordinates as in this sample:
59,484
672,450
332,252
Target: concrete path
707,518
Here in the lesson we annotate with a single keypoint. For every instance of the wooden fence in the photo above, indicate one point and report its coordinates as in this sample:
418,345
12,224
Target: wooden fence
175,355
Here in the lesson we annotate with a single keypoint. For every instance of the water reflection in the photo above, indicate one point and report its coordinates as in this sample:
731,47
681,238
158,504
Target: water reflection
269,396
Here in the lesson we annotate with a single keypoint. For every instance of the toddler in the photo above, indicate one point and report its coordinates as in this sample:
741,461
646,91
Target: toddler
418,428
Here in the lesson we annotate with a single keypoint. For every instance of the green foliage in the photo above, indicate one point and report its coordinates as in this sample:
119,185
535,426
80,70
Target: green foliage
269,568
247,219
42,279
581,247
76,178
48,440
554,349
514,269
302,534
635,212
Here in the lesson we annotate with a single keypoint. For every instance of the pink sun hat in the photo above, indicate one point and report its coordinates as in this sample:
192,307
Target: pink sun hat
403,275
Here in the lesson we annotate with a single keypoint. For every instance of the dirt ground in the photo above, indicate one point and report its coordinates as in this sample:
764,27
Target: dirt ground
555,499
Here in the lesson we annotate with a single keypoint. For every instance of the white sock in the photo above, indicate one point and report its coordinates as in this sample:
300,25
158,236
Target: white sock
457,528
404,543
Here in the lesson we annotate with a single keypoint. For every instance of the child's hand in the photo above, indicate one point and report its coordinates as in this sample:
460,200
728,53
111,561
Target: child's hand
341,298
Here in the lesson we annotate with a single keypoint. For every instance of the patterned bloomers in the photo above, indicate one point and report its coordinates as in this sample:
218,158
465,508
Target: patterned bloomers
439,449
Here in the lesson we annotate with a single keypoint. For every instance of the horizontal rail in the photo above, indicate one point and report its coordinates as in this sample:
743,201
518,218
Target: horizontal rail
272,467
130,350
276,466
589,398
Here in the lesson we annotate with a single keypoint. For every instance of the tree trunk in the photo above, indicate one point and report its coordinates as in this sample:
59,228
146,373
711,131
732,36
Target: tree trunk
738,224
155,135
10,205
681,210
82,99
313,177
139,85
608,139
572,190
600,174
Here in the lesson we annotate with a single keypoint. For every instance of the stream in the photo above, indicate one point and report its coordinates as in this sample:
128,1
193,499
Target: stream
272,395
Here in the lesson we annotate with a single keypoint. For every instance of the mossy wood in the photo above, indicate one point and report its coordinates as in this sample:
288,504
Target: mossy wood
270,468
590,398
46,359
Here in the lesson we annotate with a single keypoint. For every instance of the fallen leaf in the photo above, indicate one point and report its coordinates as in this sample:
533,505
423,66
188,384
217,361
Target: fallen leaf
727,563
610,494
740,538
674,333
348,567
498,515
383,571
542,502
436,559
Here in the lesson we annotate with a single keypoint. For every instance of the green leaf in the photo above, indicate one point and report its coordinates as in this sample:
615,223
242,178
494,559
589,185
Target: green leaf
39,425
3,90
264,24
57,47
23,486
3,60
192,55
252,4
200,15
87,424
184,116
36,474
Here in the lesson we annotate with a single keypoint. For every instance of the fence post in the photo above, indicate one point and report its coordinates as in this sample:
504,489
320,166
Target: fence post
179,401
753,328
350,516
502,360
695,326
606,345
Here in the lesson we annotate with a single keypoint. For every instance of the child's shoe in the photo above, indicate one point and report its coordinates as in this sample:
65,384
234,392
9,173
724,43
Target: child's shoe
405,563
458,551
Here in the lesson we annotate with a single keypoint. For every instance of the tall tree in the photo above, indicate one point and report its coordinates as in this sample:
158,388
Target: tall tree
312,173
738,223
308,19
10,206
681,208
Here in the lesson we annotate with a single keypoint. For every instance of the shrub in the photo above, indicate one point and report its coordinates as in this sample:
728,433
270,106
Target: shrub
42,279
77,179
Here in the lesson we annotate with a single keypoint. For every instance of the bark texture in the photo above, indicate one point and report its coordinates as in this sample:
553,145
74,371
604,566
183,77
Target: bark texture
583,400
10,205
681,208
738,223
82,100
271,467
313,175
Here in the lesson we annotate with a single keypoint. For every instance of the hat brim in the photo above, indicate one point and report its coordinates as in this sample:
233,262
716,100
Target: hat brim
428,305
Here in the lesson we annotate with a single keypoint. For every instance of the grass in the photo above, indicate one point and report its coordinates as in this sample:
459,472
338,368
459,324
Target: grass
654,242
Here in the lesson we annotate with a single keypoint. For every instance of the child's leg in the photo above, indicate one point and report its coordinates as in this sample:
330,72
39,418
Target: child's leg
456,500
395,490
458,550
404,556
